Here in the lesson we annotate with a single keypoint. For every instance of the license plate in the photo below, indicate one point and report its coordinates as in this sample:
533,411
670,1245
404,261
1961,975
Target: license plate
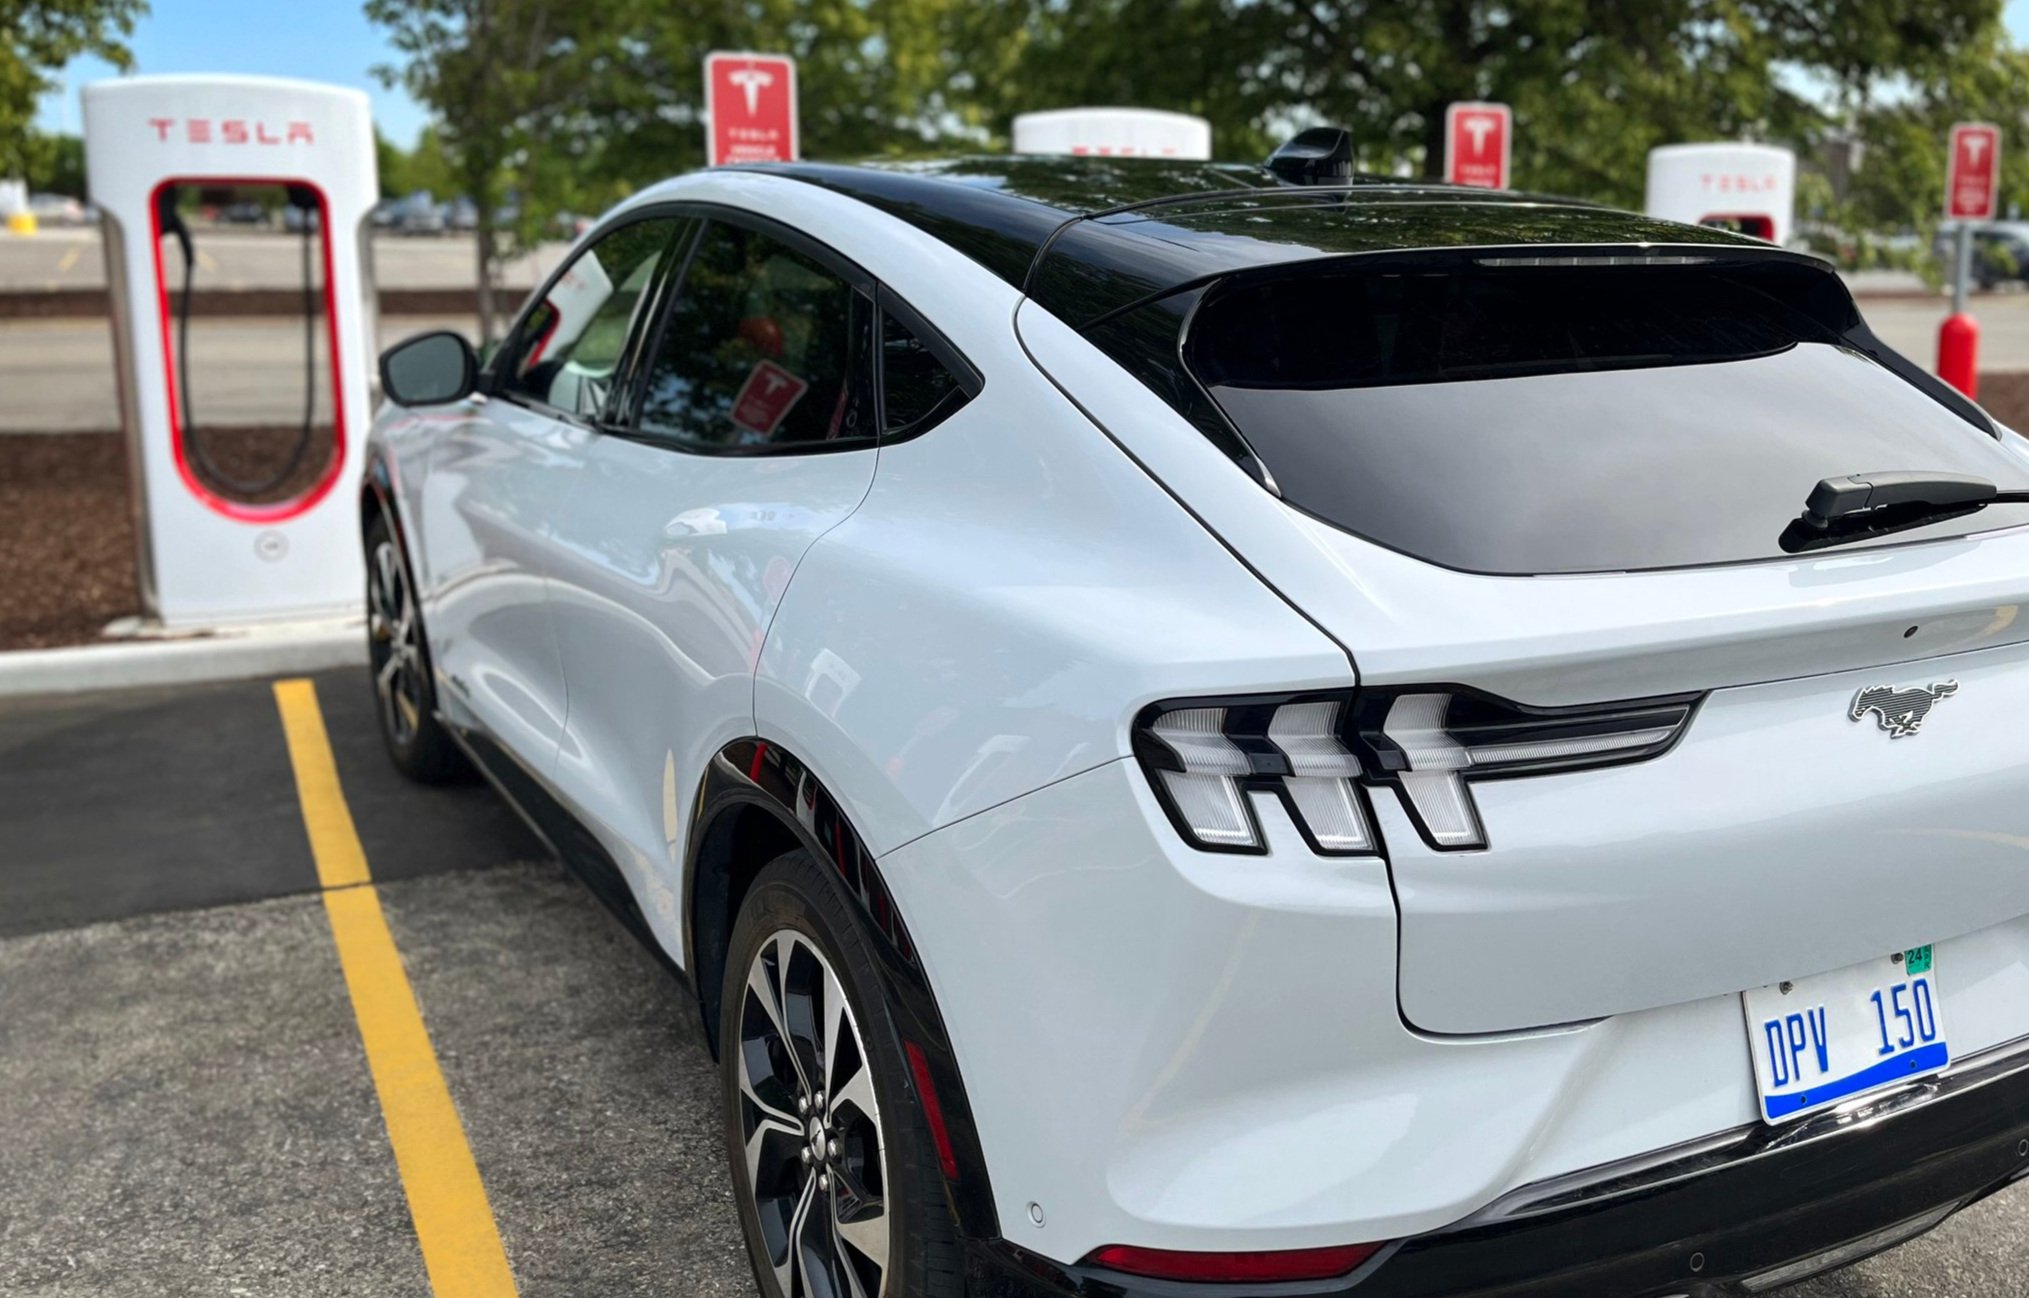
1821,1041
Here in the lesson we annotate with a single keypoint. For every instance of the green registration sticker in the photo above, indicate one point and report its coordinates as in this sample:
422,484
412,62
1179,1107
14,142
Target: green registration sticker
1916,959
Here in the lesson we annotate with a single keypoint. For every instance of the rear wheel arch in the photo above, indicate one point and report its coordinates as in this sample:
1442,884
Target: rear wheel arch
756,801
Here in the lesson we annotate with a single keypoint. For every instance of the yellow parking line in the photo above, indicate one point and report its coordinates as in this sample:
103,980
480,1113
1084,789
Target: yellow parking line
447,1201
70,259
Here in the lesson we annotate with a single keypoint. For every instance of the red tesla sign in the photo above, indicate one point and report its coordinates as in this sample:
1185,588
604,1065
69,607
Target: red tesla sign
1476,138
750,103
764,400
1973,180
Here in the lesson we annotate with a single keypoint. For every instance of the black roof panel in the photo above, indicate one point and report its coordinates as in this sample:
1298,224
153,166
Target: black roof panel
1001,210
1087,236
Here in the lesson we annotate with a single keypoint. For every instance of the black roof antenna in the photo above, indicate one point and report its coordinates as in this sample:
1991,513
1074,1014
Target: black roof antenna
1322,155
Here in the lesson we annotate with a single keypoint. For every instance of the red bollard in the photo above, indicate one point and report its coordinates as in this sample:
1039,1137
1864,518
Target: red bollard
1958,353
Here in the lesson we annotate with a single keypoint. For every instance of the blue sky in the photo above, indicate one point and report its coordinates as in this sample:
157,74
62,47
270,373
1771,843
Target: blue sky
320,40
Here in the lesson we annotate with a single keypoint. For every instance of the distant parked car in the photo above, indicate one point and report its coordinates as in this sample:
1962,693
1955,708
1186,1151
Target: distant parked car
416,213
2000,252
297,219
423,221
57,209
245,212
461,214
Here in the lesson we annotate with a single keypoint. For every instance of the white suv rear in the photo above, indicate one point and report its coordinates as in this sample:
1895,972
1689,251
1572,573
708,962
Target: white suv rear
1189,729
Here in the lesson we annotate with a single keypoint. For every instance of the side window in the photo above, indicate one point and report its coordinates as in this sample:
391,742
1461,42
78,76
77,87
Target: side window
917,389
764,347
567,353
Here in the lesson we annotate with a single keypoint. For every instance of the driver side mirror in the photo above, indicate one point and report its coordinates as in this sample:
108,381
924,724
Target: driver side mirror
431,369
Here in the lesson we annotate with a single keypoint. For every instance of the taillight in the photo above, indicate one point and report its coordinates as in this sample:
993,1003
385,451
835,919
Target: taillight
1283,1266
1315,751
1203,757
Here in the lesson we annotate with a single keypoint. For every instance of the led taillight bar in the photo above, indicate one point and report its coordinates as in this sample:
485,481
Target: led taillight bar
1316,751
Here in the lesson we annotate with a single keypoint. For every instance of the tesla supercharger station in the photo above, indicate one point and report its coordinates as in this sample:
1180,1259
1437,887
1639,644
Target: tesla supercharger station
1751,188
1114,132
245,434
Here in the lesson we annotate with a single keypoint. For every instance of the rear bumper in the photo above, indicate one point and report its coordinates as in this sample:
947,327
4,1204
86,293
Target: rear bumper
1741,1213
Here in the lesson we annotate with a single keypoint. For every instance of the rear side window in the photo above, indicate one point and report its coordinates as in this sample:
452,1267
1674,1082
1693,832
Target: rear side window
1530,418
918,388
765,348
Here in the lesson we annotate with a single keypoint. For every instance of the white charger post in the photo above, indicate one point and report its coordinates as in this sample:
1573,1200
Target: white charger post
1751,188
191,173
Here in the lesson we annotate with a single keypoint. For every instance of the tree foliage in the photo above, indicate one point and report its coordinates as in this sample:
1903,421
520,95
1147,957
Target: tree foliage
873,77
495,74
54,164
424,166
37,38
1595,83
576,103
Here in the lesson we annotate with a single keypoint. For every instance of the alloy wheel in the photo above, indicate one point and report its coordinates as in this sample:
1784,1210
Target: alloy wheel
395,639
816,1159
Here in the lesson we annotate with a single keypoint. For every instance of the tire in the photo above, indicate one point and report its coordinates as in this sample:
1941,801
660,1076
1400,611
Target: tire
798,917
398,654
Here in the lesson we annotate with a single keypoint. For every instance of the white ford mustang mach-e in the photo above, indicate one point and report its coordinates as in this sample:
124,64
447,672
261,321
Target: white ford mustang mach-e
1234,729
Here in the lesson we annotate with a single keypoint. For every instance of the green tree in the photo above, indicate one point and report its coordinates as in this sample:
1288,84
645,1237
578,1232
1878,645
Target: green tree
1594,83
55,164
37,38
873,77
424,167
497,74
1900,180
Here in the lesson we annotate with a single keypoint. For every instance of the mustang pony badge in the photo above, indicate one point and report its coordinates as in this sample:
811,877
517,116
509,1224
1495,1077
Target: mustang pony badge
1900,712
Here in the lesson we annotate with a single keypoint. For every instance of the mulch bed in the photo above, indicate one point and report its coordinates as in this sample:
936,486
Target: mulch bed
66,538
67,563
67,550
2006,397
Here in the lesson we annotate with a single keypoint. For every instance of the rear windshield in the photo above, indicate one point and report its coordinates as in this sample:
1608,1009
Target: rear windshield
1516,417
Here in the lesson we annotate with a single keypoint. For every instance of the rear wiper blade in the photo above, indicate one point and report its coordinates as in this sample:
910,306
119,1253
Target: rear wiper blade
1860,506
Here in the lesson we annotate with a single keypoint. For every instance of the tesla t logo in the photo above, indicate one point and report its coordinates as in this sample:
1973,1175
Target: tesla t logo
1971,182
230,130
1900,712
766,398
751,81
1476,144
750,108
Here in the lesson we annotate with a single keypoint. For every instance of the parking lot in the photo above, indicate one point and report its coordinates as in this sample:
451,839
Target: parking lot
208,1086
189,1105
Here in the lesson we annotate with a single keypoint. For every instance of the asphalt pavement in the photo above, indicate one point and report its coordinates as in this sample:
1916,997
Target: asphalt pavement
194,1091
186,1102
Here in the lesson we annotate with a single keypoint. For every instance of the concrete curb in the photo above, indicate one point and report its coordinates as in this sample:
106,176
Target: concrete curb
220,656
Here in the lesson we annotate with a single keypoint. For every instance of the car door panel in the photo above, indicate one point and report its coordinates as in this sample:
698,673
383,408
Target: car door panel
498,484
749,442
490,503
669,570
